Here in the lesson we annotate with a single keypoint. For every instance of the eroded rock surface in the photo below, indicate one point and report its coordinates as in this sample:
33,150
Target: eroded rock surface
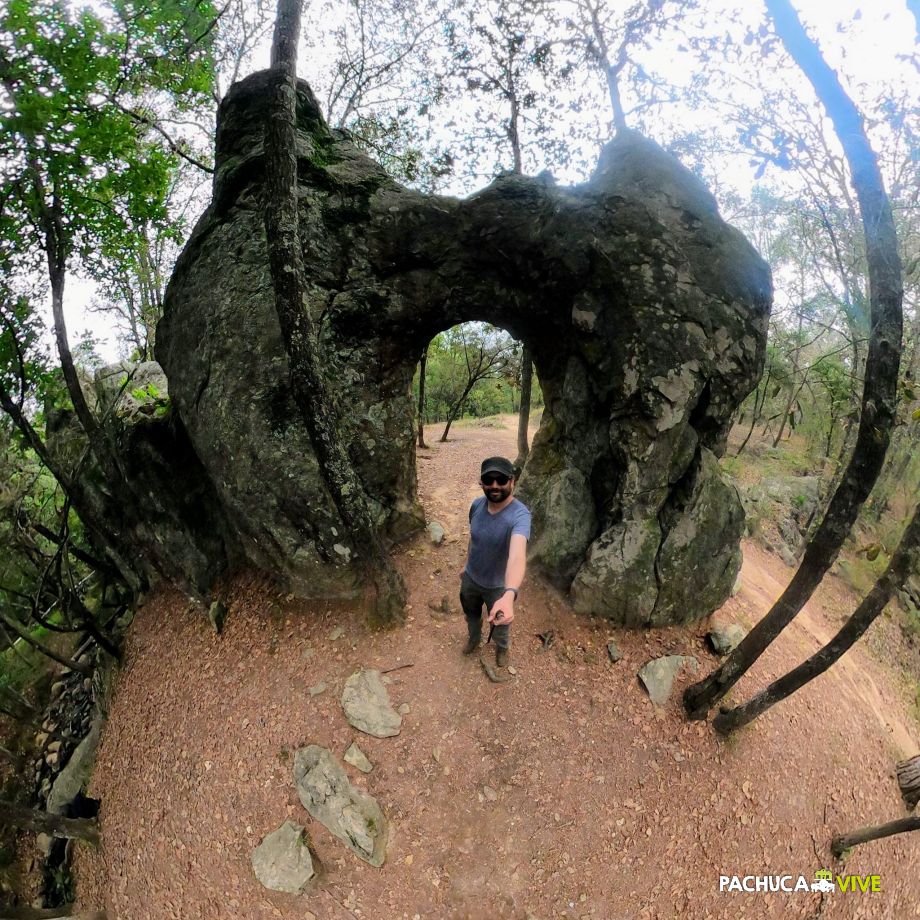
645,313
350,814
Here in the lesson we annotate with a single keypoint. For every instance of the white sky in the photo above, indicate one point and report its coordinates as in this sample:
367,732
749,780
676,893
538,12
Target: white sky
865,53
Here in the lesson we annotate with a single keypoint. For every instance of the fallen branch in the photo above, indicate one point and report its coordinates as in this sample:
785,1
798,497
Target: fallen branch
398,667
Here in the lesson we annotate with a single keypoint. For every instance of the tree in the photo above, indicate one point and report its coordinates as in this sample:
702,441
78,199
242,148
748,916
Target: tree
43,822
881,375
313,393
607,36
384,81
497,53
84,162
899,567
422,367
524,413
485,351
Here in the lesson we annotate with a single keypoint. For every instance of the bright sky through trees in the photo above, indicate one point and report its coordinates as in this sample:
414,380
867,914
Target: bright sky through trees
866,42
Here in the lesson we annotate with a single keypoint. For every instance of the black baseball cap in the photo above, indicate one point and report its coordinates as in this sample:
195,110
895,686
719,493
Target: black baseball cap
497,465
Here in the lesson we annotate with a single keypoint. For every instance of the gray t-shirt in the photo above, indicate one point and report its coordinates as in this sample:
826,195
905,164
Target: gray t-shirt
490,539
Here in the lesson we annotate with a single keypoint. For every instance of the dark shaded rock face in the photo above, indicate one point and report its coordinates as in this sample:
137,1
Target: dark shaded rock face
176,528
646,315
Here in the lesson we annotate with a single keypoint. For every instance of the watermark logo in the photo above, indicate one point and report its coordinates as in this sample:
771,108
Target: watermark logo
824,882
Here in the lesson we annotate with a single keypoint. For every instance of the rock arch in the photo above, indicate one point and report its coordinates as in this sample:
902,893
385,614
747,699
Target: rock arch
646,315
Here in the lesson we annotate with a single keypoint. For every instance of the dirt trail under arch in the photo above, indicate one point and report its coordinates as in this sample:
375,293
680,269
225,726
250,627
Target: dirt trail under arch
563,793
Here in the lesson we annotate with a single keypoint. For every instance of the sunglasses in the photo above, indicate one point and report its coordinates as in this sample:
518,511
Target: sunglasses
497,478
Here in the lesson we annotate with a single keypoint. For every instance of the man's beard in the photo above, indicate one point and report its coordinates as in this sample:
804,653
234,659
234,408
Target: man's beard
496,496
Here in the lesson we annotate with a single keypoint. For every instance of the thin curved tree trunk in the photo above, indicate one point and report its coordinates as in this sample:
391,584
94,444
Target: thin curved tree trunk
881,372
865,615
311,388
27,637
759,401
19,816
422,365
523,444
457,408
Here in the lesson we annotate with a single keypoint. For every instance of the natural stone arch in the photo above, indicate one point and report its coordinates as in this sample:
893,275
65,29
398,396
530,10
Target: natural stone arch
646,316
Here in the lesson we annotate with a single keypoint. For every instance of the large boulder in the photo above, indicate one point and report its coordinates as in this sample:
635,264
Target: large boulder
645,313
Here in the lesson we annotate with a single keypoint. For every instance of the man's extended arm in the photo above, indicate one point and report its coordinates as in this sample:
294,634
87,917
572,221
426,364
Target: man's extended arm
514,576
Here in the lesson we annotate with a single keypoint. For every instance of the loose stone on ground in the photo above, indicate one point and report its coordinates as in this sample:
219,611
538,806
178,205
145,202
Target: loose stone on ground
367,705
658,675
357,758
349,814
725,637
282,861
435,531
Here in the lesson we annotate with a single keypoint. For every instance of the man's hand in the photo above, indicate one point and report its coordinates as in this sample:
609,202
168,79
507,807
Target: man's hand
502,612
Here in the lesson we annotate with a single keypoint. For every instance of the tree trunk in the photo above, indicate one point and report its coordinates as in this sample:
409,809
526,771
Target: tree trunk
315,398
514,135
758,409
839,845
422,365
523,443
793,390
24,634
455,410
909,781
29,819
865,615
880,378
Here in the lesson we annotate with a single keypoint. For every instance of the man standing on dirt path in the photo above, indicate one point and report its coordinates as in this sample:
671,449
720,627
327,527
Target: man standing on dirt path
497,557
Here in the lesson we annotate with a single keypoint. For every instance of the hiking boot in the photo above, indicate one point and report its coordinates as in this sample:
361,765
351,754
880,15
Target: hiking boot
501,657
472,645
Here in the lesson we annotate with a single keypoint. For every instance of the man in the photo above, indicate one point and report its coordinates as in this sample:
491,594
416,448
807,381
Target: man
497,557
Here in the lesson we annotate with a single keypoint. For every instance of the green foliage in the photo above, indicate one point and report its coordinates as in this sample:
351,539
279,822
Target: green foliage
23,347
78,146
452,354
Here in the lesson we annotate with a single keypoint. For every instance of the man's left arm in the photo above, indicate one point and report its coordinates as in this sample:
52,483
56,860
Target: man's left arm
502,610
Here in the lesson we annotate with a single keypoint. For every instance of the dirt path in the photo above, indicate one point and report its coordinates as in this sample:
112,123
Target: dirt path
563,793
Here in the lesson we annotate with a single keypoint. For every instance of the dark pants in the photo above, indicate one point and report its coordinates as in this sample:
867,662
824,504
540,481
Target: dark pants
472,598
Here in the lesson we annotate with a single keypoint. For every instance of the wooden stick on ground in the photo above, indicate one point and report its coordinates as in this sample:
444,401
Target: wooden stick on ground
398,667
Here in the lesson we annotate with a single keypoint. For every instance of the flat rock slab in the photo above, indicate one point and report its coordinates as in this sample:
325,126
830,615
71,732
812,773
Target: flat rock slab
350,814
74,778
658,675
725,637
358,759
367,705
282,861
